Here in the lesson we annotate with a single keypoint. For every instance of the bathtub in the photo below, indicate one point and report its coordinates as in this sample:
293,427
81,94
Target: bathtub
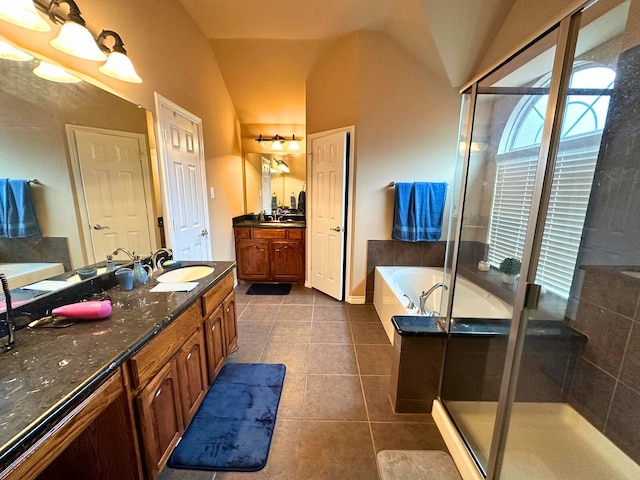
395,287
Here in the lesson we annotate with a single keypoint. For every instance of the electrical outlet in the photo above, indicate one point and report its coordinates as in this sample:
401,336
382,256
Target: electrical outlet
212,192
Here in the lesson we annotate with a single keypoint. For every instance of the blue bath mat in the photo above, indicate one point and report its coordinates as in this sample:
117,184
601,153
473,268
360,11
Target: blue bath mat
232,429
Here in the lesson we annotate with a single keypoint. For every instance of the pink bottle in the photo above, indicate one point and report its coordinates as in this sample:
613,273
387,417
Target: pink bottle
84,310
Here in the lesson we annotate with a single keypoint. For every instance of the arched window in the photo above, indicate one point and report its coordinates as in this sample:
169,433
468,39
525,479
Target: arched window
517,159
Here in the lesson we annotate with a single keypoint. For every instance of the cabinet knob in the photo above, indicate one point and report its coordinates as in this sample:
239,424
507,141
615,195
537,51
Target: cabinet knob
189,356
158,393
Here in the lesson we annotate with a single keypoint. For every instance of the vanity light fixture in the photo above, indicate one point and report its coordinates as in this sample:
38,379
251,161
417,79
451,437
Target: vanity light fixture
283,166
277,142
24,14
118,64
9,52
54,73
74,37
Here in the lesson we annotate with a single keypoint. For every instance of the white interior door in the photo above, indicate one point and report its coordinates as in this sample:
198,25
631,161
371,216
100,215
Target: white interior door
186,208
327,209
111,168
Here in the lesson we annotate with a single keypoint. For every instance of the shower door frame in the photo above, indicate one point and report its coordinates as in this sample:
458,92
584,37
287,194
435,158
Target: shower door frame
568,29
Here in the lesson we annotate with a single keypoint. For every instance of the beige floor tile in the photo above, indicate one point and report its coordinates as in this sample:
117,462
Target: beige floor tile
376,395
246,353
336,451
253,332
265,299
331,332
168,473
294,355
298,299
374,359
334,397
332,359
259,313
292,400
322,299
292,332
369,334
407,436
362,313
294,313
330,313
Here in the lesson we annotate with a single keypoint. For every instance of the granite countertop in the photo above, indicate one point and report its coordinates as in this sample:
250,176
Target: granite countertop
51,370
258,224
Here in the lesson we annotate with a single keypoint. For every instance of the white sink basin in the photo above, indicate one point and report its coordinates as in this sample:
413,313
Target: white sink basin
186,274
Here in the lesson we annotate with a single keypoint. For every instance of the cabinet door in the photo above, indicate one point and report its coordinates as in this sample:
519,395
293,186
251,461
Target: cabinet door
160,417
230,323
192,375
253,259
287,260
215,343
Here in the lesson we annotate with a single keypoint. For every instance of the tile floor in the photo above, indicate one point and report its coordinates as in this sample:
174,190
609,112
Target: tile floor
334,414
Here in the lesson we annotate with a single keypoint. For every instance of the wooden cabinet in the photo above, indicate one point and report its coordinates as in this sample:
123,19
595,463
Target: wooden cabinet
214,339
270,254
192,374
230,324
161,420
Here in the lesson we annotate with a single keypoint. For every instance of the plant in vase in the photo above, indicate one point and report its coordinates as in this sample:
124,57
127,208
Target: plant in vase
510,268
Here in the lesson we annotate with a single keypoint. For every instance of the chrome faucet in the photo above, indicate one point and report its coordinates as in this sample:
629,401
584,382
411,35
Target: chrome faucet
156,263
131,255
425,295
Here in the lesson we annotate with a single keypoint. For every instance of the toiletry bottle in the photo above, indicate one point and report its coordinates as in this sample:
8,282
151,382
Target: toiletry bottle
293,200
274,201
111,265
140,275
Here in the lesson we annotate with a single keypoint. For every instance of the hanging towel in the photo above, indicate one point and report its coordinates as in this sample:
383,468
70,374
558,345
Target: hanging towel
17,213
418,213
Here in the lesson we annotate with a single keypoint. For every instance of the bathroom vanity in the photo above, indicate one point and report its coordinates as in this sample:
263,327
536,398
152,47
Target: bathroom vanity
111,398
270,251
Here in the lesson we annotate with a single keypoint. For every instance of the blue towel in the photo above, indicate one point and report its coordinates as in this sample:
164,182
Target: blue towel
418,213
17,213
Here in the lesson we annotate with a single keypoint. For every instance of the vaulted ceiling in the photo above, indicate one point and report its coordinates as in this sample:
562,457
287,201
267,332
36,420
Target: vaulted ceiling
265,48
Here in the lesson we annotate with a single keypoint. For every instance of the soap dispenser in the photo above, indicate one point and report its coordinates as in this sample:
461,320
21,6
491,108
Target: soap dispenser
140,275
111,265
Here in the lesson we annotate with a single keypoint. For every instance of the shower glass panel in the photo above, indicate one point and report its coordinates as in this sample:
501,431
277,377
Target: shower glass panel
501,172
578,385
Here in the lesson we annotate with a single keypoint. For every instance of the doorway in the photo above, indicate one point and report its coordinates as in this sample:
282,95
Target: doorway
183,171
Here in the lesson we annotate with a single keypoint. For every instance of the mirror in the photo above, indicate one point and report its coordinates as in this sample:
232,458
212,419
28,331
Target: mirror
47,129
267,183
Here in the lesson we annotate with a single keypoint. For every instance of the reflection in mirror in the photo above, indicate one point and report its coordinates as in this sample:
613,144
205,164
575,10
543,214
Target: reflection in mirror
268,185
89,151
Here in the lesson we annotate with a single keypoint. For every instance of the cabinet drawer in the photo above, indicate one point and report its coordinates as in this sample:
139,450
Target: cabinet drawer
242,232
215,296
295,233
155,354
269,233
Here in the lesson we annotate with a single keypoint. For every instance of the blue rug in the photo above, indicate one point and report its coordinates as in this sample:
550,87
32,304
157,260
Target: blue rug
232,429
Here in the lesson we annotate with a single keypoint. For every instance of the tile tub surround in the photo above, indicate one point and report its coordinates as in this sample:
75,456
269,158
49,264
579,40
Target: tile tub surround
606,388
35,249
51,371
320,433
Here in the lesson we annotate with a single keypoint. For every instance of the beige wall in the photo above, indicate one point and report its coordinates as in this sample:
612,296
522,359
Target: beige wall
175,59
406,122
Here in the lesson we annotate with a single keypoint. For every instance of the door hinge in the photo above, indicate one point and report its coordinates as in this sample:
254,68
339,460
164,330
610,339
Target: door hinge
532,296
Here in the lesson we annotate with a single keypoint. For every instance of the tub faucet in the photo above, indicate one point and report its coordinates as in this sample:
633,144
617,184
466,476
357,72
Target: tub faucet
425,295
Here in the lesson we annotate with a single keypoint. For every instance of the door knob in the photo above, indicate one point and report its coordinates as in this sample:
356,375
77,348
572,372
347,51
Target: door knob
97,226
204,232
337,229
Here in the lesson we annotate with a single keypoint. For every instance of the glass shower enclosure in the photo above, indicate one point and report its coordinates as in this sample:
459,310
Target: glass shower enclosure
542,369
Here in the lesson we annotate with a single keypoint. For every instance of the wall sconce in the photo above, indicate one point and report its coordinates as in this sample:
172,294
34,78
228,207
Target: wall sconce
24,14
9,52
277,142
118,64
283,166
54,73
74,37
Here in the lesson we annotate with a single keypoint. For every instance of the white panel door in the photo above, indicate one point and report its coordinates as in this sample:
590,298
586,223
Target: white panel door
184,170
328,166
112,179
